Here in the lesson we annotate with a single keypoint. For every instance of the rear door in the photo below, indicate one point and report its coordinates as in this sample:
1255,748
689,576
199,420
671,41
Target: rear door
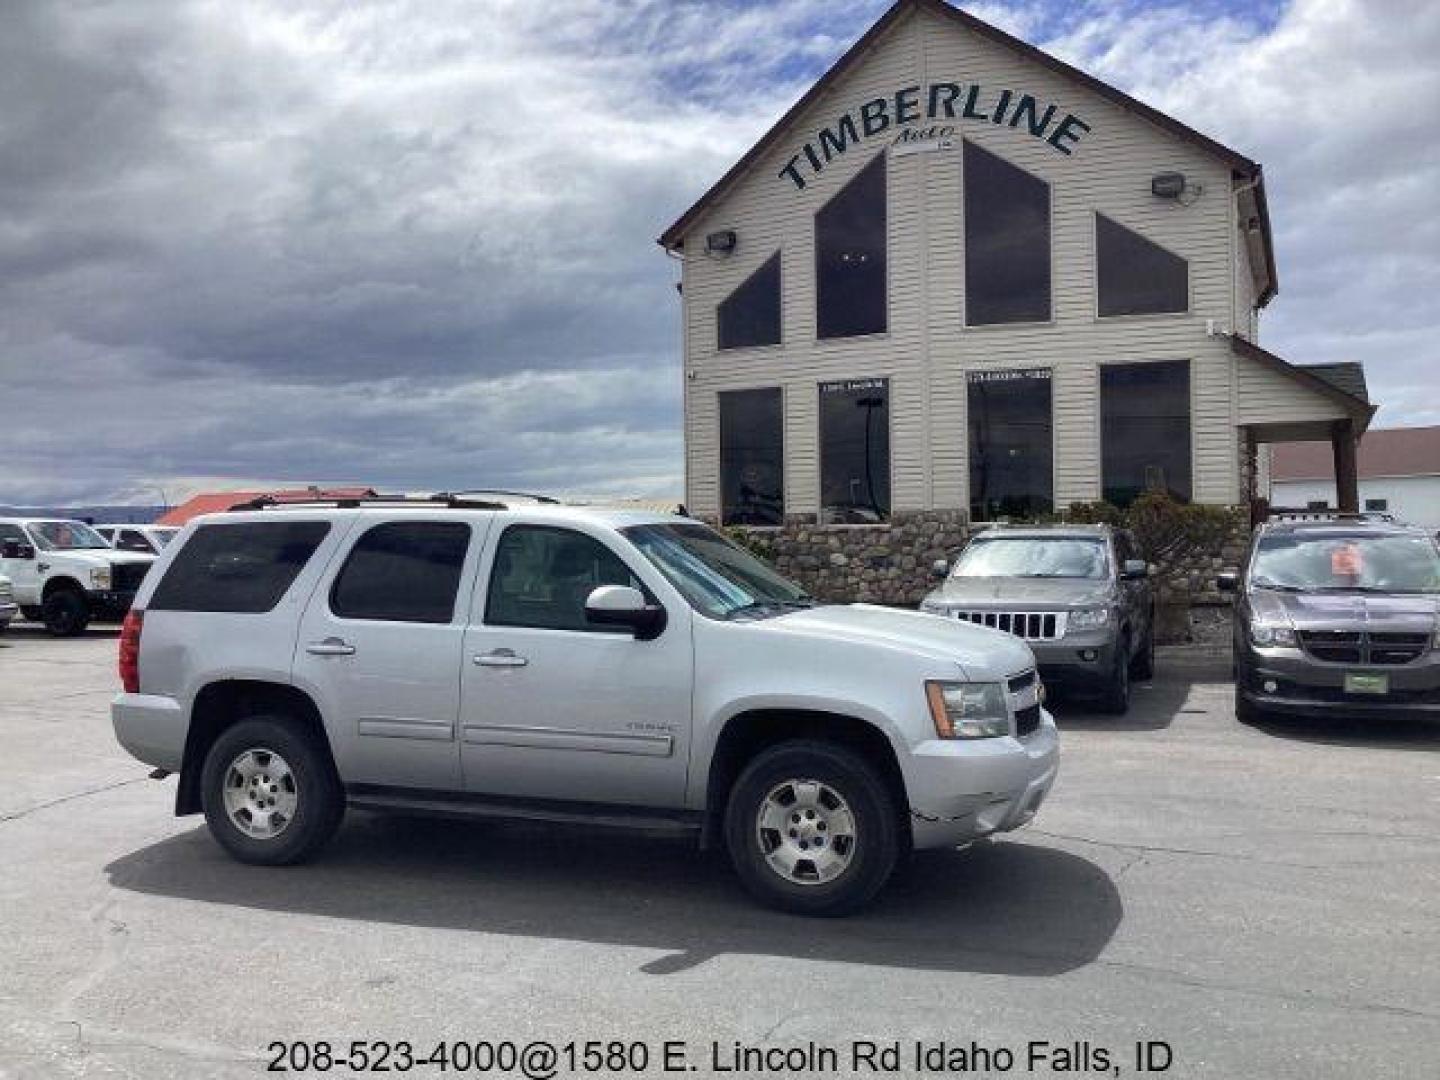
380,645
556,707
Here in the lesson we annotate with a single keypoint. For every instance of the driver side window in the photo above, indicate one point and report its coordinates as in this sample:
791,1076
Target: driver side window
543,575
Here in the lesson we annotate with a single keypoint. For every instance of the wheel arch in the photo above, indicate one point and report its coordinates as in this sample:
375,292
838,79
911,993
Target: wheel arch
751,731
220,705
60,583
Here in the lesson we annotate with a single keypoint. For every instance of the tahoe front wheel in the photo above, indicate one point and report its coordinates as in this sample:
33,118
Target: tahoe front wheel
812,828
270,793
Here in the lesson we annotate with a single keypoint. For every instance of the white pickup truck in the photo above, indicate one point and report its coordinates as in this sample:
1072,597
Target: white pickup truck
63,574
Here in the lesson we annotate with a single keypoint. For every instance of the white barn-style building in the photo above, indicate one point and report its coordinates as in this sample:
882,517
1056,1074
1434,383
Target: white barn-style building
960,274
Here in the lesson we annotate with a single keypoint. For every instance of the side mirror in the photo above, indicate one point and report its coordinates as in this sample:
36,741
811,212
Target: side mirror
14,549
1229,581
620,605
939,569
1135,570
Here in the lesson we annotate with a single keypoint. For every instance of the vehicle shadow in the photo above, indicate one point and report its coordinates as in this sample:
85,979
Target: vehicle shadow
999,908
1154,705
23,630
1385,733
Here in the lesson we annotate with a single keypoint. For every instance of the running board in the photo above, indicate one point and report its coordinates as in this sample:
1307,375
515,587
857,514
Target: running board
555,811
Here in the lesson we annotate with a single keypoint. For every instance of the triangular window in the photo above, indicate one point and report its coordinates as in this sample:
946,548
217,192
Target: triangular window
751,314
1137,276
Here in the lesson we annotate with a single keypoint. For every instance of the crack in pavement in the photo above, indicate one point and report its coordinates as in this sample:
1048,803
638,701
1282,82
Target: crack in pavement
1126,849
18,814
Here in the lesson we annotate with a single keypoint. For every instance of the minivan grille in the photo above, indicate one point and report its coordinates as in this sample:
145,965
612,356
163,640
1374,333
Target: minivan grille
1030,625
1358,647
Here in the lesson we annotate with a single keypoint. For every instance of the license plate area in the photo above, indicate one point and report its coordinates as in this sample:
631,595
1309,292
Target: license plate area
1356,683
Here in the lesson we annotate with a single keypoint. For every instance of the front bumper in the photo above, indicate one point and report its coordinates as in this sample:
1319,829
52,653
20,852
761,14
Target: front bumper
1310,687
152,728
965,789
1083,661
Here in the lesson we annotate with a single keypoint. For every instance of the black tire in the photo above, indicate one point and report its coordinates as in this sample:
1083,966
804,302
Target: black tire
1142,667
1116,698
33,614
1245,710
66,614
319,801
876,832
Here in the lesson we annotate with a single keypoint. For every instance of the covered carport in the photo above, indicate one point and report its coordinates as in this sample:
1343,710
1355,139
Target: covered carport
1278,402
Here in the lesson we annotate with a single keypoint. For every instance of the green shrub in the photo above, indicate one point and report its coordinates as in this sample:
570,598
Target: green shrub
1167,530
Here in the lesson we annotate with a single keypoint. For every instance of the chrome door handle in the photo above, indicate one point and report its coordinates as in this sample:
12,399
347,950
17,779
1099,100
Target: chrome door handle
501,658
331,646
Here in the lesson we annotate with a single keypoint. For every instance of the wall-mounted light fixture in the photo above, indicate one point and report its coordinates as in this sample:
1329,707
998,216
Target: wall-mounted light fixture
721,243
1174,186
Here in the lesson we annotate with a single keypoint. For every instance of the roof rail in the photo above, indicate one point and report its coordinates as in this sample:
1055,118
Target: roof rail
503,493
1317,515
448,500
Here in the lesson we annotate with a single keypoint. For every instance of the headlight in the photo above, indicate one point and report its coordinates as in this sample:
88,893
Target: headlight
1267,634
968,710
100,578
1090,618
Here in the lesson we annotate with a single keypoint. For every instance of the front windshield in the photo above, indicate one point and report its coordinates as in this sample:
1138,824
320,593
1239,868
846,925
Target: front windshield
1347,562
65,536
716,576
1034,557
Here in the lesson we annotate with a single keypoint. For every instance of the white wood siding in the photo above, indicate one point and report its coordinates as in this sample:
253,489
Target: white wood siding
927,351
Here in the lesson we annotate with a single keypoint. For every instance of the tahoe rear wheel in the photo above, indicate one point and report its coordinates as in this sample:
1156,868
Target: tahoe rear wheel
812,828
270,793
66,613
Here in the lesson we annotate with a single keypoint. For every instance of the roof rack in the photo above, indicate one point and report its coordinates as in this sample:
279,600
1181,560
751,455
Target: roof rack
457,500
1320,516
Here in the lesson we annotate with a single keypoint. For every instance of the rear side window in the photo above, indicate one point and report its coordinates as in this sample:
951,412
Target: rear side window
404,571
238,568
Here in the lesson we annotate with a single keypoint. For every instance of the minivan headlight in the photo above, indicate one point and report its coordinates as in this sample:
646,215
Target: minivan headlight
968,710
1268,634
100,577
1090,618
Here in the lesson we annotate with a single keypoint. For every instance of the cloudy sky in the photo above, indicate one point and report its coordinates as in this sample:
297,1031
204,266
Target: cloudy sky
411,242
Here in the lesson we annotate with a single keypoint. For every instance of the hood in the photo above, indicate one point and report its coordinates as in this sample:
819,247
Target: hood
1025,592
983,653
1350,611
95,557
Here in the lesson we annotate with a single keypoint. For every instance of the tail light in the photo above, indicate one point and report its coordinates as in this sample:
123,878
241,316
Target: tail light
130,651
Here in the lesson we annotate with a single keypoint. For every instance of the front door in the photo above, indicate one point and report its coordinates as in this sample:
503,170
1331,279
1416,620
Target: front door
382,648
555,707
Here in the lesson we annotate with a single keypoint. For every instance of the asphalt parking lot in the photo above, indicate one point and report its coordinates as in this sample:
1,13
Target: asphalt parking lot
1262,900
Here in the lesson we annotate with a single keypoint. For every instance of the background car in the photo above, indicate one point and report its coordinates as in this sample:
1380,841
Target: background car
146,539
9,611
1079,595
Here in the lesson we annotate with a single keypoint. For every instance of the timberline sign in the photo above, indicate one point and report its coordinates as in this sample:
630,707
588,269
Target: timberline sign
939,102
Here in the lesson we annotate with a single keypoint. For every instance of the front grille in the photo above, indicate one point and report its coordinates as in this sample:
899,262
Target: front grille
1027,720
1360,647
126,577
1030,625
1022,681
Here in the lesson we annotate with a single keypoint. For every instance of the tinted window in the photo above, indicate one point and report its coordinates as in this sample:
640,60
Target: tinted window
542,577
404,571
238,568
1011,447
751,314
752,475
130,540
850,282
855,450
1145,429
13,532
1007,242
1137,277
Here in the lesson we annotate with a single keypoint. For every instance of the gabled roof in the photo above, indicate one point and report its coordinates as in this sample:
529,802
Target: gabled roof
1383,453
1344,383
673,238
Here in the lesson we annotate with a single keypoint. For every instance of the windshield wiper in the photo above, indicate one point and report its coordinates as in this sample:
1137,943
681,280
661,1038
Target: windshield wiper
1275,586
764,606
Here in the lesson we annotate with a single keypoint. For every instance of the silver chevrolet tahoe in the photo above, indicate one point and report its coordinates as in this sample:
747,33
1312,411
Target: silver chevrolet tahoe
504,656
1078,595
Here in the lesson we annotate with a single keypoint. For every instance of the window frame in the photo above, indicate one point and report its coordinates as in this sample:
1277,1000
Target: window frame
820,452
457,607
965,323
160,601
873,335
779,255
784,393
1054,427
1099,417
623,633
1189,309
